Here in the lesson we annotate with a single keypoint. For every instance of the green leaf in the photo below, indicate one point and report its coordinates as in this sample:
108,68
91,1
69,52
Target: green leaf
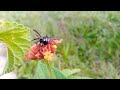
78,77
68,72
16,37
43,73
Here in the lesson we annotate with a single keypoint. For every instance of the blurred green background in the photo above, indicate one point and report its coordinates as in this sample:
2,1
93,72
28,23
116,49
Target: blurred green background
91,40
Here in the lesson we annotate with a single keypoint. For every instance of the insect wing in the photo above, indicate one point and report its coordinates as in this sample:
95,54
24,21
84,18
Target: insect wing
56,40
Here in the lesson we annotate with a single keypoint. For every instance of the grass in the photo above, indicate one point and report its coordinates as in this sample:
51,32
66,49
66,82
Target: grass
91,39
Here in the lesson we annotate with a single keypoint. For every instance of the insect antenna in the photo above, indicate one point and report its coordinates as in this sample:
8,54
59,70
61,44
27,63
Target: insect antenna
37,33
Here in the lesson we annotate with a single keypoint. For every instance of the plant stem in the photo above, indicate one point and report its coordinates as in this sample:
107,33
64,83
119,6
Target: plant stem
48,66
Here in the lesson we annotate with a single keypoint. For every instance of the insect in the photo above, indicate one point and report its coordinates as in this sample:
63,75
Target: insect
45,40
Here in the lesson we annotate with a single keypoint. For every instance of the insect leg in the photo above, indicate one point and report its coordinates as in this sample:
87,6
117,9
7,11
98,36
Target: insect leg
35,39
39,46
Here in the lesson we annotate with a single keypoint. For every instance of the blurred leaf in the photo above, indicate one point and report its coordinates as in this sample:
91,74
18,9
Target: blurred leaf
78,77
16,37
68,72
43,73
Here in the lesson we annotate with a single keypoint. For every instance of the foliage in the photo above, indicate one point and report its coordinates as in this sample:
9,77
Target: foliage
42,72
16,37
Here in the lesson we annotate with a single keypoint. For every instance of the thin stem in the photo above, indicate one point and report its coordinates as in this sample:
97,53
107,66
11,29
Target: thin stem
48,66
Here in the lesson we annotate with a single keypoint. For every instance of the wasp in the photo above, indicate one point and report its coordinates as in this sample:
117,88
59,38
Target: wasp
45,40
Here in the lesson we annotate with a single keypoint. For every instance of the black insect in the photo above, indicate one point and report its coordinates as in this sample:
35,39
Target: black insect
43,40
